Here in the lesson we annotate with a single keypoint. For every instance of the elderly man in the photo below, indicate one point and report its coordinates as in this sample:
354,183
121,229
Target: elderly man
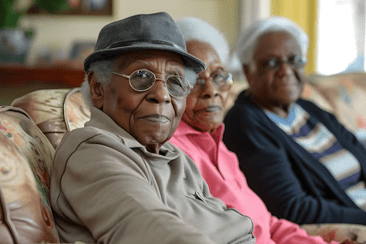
299,159
118,180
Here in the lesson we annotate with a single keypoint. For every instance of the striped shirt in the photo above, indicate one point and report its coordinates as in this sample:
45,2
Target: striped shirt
315,138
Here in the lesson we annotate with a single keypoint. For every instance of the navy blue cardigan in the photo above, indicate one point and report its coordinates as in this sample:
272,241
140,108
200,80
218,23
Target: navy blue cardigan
292,183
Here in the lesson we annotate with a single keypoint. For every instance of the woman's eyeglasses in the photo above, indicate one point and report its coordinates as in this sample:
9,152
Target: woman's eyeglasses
275,63
222,81
143,79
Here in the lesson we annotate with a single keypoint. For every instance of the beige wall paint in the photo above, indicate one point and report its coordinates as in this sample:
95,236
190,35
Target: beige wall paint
56,33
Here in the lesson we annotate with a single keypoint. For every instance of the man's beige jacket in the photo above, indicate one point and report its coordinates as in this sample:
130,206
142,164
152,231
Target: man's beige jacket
107,188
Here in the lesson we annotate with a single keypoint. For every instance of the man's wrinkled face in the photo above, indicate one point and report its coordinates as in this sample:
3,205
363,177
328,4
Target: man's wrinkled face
151,116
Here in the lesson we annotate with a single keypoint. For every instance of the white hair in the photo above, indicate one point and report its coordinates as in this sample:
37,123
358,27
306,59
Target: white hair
249,38
195,29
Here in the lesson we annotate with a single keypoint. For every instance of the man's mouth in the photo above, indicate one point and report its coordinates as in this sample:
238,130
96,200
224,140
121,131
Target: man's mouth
157,118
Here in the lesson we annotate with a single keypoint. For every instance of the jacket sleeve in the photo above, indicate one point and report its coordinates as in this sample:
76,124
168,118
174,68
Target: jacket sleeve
114,198
271,172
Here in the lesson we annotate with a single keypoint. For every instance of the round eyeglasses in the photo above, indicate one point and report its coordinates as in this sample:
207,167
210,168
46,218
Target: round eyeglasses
222,81
275,63
142,80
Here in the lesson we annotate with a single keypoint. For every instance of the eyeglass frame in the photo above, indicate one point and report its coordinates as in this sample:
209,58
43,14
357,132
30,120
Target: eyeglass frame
303,61
190,87
230,81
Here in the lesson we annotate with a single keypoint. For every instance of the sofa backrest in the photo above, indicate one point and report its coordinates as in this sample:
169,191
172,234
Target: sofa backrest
25,159
346,93
55,111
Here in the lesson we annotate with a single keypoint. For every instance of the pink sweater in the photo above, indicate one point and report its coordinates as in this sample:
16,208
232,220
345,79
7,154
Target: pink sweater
220,168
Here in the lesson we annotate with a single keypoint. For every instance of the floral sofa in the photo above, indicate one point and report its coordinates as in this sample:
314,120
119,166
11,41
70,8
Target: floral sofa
33,125
27,146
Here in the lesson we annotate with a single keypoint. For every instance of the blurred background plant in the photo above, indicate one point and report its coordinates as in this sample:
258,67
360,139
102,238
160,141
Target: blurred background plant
11,11
14,40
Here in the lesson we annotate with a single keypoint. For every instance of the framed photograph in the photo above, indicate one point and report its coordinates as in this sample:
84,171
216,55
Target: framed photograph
82,7
80,50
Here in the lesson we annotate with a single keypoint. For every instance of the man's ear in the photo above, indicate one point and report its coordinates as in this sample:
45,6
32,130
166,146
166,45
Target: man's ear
96,91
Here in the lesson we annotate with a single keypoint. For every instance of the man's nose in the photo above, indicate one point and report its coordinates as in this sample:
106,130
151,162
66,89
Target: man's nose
159,92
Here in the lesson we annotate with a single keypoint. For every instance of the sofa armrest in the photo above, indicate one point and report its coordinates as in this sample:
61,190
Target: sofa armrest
338,232
25,160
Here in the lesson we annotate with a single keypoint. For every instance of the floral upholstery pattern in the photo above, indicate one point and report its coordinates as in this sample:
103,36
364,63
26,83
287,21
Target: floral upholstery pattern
346,93
55,111
76,111
312,94
25,159
338,232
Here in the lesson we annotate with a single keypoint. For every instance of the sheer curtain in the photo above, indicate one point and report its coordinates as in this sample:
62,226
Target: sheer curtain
250,11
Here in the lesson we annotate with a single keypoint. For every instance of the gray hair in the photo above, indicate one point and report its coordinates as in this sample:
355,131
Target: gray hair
103,74
195,29
249,38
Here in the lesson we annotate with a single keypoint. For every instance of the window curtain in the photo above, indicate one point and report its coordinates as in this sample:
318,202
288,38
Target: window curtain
304,13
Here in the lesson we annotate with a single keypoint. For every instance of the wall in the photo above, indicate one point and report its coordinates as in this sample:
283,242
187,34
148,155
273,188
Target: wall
56,33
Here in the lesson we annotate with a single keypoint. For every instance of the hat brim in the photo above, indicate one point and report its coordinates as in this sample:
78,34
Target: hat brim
189,60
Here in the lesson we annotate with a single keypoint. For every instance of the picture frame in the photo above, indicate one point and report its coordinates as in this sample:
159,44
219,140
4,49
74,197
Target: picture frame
81,7
81,49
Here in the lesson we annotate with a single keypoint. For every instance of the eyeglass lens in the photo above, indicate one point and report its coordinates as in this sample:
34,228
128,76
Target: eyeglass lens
143,80
294,61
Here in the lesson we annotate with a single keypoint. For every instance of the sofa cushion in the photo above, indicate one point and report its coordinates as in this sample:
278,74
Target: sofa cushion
55,111
25,160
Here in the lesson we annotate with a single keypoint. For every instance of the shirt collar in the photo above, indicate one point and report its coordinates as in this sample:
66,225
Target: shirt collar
184,129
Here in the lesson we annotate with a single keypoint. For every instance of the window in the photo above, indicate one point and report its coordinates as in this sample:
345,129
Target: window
341,36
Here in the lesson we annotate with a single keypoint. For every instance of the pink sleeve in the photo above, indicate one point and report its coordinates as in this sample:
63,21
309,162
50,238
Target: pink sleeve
283,231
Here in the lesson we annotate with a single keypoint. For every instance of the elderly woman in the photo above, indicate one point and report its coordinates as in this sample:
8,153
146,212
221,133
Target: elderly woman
118,180
299,159
200,132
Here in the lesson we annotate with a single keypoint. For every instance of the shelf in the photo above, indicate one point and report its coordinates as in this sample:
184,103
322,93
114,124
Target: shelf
19,74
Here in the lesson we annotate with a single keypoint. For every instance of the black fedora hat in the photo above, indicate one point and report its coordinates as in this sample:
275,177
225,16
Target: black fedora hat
156,31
